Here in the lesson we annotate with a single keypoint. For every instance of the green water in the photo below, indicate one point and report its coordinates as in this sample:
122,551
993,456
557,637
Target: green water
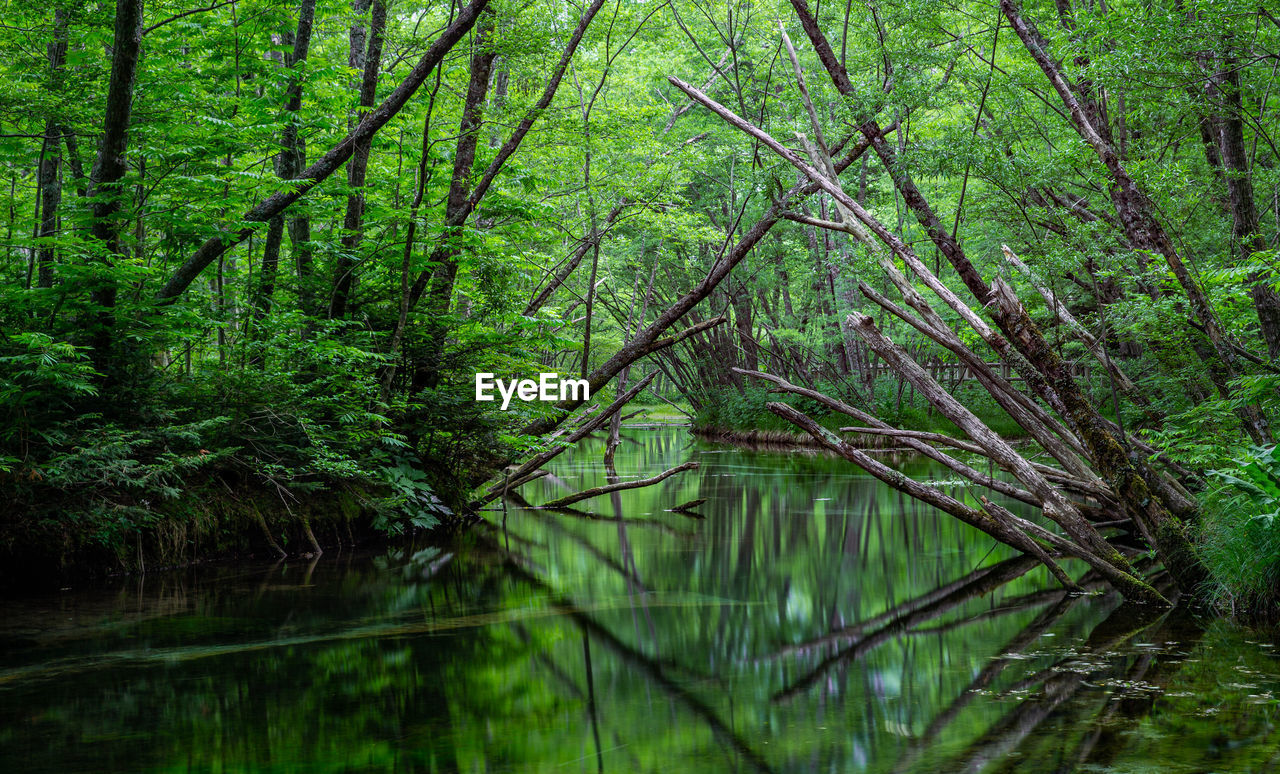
811,621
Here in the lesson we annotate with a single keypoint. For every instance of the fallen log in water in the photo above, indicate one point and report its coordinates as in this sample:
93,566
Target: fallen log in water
599,490
525,472
687,509
1001,530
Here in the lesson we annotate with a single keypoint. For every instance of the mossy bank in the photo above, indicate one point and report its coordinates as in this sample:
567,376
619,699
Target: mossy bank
212,519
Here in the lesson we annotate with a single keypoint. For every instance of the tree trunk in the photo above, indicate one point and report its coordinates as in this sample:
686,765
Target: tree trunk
446,255
288,165
1140,225
1244,212
369,60
445,258
50,173
110,168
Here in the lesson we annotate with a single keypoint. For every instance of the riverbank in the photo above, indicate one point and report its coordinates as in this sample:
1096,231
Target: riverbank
56,535
784,439
742,416
211,520
472,655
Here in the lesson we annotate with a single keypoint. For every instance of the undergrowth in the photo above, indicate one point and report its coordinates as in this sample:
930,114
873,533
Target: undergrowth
745,411
100,465
1239,535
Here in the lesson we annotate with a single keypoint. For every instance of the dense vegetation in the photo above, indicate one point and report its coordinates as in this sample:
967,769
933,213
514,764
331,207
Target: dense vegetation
255,251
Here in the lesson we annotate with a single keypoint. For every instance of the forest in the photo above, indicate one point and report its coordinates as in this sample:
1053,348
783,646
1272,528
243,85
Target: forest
255,253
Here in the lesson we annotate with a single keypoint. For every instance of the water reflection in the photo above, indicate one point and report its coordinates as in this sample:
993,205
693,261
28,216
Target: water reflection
811,620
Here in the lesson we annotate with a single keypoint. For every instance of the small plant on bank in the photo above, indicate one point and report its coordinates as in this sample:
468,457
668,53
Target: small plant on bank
1240,533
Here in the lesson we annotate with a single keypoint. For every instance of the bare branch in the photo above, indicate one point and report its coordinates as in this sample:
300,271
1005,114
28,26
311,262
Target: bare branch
600,490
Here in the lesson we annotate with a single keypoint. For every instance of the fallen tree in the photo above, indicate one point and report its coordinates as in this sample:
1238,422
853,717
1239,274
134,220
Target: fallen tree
1102,474
587,494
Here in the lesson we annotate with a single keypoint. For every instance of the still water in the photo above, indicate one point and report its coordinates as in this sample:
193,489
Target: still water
810,621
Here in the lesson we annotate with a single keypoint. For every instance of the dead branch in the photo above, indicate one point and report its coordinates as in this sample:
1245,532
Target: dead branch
1056,507
1090,341
998,529
670,403
515,483
584,429
918,445
599,490
1050,433
687,509
684,334
946,440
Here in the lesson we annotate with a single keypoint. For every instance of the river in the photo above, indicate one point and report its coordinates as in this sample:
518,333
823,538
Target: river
811,620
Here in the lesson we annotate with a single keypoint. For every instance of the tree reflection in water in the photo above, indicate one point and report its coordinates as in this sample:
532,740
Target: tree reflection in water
810,621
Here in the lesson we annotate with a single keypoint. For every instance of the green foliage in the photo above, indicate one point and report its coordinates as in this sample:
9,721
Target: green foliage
413,503
1202,435
1240,535
41,380
113,480
282,398
745,410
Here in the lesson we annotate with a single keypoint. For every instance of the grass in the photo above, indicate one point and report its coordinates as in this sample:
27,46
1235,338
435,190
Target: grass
1241,551
1238,536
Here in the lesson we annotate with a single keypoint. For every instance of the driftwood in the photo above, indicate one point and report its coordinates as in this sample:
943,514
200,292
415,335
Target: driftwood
1046,429
1152,505
997,521
1042,386
599,490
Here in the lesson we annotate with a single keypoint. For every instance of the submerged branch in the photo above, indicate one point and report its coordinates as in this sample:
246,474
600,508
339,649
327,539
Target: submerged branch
585,428
1000,529
599,490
